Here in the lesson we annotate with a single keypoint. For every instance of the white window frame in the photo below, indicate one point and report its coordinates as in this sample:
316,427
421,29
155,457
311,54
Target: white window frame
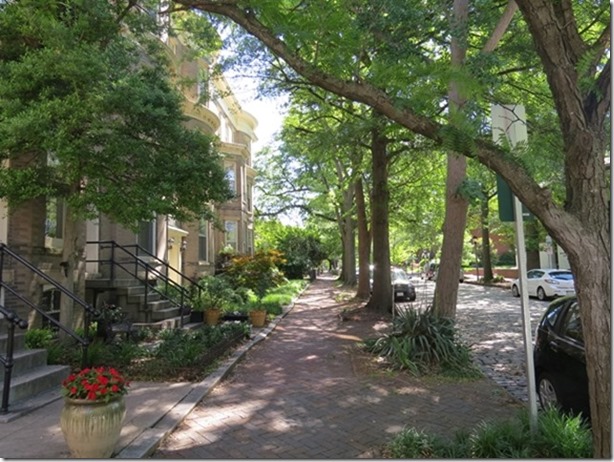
231,234
203,234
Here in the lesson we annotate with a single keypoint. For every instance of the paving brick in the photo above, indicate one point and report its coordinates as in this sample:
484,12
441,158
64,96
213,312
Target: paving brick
298,396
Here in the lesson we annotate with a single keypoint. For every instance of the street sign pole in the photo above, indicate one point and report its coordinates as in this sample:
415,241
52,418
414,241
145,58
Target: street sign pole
509,121
521,256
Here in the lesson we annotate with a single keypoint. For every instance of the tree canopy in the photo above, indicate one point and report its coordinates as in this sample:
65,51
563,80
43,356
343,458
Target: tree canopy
88,113
395,57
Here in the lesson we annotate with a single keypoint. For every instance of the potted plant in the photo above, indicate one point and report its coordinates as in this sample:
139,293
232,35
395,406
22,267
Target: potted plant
93,412
214,297
257,313
259,273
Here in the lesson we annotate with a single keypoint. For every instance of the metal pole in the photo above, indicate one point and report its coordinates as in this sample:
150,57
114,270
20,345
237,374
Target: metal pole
509,122
526,314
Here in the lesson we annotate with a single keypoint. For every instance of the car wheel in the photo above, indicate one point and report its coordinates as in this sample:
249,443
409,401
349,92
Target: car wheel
546,390
541,295
412,298
515,291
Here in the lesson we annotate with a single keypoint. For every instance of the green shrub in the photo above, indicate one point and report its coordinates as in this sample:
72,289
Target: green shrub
506,439
171,354
563,436
413,444
557,436
286,293
258,272
39,338
181,348
421,343
216,292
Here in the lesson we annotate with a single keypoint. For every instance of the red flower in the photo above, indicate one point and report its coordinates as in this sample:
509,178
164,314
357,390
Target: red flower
100,383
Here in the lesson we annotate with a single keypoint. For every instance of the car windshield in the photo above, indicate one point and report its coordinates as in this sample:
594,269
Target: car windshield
398,274
563,275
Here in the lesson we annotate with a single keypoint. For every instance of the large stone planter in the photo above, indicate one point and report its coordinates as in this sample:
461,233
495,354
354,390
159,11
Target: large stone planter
92,428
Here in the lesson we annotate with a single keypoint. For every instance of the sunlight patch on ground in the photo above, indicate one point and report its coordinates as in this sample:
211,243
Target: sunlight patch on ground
348,337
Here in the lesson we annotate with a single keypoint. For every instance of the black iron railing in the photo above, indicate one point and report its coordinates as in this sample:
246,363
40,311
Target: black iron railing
7,359
88,311
130,262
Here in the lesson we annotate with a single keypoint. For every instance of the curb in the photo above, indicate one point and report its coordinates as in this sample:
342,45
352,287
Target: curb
149,439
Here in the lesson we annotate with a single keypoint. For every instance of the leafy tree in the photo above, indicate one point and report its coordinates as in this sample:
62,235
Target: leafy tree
564,44
301,251
316,167
88,114
301,248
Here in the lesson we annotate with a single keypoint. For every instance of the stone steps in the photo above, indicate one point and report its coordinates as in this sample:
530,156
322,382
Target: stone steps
33,382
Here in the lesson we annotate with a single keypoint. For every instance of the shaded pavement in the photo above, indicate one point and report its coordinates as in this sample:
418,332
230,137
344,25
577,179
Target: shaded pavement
308,391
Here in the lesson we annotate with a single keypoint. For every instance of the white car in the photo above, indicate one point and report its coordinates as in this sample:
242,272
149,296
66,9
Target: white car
547,283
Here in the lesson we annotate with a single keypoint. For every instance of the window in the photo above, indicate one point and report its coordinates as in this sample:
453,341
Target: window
250,240
147,236
202,86
573,326
231,177
244,246
249,197
231,234
54,221
203,228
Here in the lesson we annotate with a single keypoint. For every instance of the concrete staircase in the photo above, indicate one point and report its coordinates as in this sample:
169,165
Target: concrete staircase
151,310
34,383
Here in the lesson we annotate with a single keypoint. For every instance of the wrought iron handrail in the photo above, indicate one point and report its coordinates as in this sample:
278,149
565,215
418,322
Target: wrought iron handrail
87,309
158,260
193,283
150,270
8,358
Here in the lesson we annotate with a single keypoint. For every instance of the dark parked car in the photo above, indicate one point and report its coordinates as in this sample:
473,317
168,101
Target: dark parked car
560,364
402,286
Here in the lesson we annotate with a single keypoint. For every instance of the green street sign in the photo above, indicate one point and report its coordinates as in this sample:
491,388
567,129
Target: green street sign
505,199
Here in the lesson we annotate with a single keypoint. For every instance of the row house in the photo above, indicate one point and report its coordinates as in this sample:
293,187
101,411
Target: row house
34,230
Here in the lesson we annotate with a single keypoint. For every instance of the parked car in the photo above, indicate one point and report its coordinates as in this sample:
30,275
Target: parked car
547,283
402,286
560,363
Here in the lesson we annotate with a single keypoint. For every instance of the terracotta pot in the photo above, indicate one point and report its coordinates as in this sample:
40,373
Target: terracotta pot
257,317
92,428
212,316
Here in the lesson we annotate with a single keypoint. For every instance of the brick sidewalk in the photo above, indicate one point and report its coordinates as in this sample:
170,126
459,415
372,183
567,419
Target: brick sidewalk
304,393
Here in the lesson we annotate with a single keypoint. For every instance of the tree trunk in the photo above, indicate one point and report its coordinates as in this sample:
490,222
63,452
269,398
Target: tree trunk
364,243
73,264
532,238
381,298
446,290
591,267
486,252
347,225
